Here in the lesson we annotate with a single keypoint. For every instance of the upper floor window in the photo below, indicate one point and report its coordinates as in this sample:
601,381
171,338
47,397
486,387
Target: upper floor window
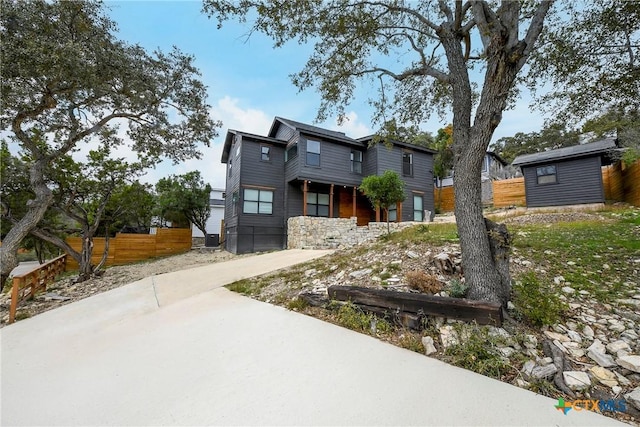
547,174
418,213
317,204
356,161
237,149
258,201
407,164
313,153
291,151
265,153
230,167
485,164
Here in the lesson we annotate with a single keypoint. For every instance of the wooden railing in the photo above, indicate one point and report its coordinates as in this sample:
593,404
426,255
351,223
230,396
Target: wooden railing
26,285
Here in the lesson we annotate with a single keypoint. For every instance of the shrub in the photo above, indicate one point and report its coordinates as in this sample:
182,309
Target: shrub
457,288
423,282
537,303
478,352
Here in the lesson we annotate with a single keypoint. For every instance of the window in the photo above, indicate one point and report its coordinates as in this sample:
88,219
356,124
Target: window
258,201
407,164
417,209
317,204
356,161
485,164
291,152
546,174
393,213
230,167
265,151
313,153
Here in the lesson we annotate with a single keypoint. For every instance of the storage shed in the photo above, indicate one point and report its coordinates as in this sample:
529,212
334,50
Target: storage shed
566,176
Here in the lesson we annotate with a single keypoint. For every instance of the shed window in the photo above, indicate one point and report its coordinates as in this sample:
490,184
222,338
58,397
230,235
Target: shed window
393,213
407,164
258,201
417,208
547,174
313,153
317,204
265,151
356,161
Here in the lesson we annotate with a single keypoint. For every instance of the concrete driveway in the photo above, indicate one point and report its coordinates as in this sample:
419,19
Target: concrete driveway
177,349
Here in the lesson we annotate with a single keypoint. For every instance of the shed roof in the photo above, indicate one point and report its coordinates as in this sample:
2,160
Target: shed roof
596,148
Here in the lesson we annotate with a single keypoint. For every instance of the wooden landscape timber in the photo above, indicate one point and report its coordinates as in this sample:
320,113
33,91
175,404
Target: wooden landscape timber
414,305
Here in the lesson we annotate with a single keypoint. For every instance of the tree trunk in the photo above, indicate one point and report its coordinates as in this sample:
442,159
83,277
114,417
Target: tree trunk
36,209
86,268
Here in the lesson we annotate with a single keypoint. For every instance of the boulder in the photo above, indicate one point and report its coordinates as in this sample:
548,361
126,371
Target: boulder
604,376
601,359
576,380
616,346
556,336
429,347
631,363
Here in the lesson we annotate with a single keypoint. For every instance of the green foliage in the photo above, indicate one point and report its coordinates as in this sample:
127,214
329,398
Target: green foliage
477,351
250,287
411,341
457,288
538,303
550,138
184,196
352,317
443,160
384,190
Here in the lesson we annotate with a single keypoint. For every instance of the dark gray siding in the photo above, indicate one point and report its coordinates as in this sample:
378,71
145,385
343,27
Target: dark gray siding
291,168
233,185
370,161
421,181
294,199
258,232
578,181
284,132
335,163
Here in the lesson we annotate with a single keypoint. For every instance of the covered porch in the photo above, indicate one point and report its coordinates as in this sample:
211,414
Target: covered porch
332,200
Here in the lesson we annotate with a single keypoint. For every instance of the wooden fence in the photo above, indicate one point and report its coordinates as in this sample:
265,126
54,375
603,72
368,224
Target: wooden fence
621,184
509,192
26,285
444,199
128,248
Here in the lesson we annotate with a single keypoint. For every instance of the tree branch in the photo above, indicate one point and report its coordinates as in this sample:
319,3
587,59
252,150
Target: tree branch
422,71
535,28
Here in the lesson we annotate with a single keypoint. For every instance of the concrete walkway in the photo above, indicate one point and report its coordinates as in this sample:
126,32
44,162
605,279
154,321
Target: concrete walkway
178,350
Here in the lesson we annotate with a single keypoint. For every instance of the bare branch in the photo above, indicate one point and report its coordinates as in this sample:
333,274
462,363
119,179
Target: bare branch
422,71
446,10
535,28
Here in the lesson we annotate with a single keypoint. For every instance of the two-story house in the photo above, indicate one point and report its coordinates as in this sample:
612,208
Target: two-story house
304,170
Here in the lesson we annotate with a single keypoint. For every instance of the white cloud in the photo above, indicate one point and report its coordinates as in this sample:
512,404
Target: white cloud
351,126
234,117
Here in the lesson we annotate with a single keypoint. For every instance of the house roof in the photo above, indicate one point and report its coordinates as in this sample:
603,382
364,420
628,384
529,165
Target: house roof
597,148
310,130
228,141
366,139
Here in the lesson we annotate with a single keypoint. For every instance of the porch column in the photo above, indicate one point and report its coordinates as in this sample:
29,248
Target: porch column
399,212
331,202
304,198
354,202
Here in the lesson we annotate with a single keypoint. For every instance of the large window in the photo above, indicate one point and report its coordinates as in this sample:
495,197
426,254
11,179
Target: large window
265,153
407,164
258,201
547,174
291,152
317,204
313,153
418,213
356,161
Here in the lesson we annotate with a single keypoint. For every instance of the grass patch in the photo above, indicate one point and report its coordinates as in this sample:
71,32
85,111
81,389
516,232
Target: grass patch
436,234
478,352
250,287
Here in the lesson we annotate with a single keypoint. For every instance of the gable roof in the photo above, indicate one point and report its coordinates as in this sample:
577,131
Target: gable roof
310,130
597,148
366,139
228,141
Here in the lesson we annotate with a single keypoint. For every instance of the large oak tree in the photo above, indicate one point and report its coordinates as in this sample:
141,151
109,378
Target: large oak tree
423,55
67,81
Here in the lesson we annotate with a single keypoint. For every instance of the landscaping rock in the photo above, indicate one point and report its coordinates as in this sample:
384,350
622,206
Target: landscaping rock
544,372
604,376
634,398
412,255
631,363
556,336
574,336
622,379
587,331
429,347
448,336
528,367
601,359
568,290
360,273
576,380
616,346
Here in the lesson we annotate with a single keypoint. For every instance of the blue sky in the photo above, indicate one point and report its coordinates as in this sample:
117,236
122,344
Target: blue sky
248,80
